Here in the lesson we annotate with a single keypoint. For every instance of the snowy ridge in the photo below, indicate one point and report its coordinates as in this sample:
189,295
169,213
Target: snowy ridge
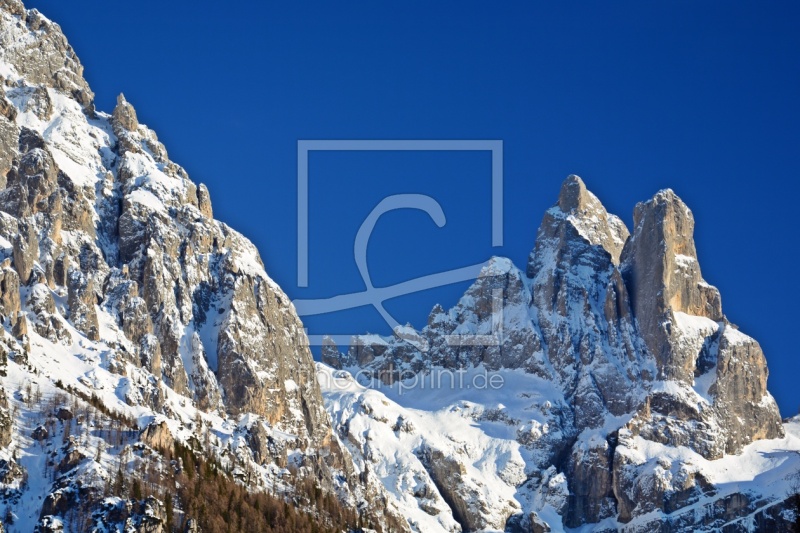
127,305
644,385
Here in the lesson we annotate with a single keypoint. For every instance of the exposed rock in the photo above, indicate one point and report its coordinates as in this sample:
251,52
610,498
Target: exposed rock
153,518
465,500
20,329
204,201
590,218
188,314
743,405
661,268
81,300
627,343
124,115
26,251
8,137
5,421
71,459
9,291
57,503
158,436
633,337
40,433
36,100
330,353
46,59
591,496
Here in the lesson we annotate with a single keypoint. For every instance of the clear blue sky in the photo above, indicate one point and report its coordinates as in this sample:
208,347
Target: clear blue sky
634,97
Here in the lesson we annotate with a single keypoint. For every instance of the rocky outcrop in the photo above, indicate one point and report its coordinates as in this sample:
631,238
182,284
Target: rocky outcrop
81,300
9,291
43,56
632,336
8,137
204,201
583,308
111,257
330,353
661,268
158,436
742,403
5,416
448,473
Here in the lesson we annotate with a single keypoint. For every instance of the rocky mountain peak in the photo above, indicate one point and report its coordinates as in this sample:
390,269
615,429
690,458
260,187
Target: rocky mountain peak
124,304
118,284
630,335
38,51
574,195
663,274
125,115
579,214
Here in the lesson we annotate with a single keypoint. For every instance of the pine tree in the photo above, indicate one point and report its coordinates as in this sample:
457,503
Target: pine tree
168,509
136,490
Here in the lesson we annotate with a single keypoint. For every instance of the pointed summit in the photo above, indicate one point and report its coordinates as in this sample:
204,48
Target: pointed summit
124,115
662,251
573,195
581,212
663,277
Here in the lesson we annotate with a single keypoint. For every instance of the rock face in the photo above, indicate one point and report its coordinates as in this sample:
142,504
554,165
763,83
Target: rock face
112,263
635,343
159,265
126,308
660,265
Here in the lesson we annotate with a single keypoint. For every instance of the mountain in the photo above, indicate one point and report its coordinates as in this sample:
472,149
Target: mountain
143,344
627,400
154,378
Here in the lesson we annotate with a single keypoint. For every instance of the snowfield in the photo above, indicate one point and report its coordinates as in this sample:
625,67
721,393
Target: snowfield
393,428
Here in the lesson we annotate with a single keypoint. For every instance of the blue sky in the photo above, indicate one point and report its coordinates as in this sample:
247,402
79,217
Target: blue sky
634,97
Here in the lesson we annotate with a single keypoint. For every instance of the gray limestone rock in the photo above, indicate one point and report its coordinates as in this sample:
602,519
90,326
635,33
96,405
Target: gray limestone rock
204,201
124,115
330,353
81,300
44,57
661,268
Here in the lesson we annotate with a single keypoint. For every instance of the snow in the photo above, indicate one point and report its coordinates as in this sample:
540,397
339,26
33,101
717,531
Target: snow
685,261
372,339
695,326
736,337
79,146
476,417
148,199
767,468
459,415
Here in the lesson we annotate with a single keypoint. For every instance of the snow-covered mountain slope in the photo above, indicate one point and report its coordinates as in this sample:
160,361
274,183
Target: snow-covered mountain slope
150,368
637,386
135,326
459,446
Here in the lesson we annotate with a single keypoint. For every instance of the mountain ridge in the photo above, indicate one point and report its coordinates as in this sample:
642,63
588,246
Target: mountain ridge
124,300
630,333
154,378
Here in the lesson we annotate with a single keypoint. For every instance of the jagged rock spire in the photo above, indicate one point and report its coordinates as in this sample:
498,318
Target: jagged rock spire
574,195
124,114
584,212
579,298
663,276
679,317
